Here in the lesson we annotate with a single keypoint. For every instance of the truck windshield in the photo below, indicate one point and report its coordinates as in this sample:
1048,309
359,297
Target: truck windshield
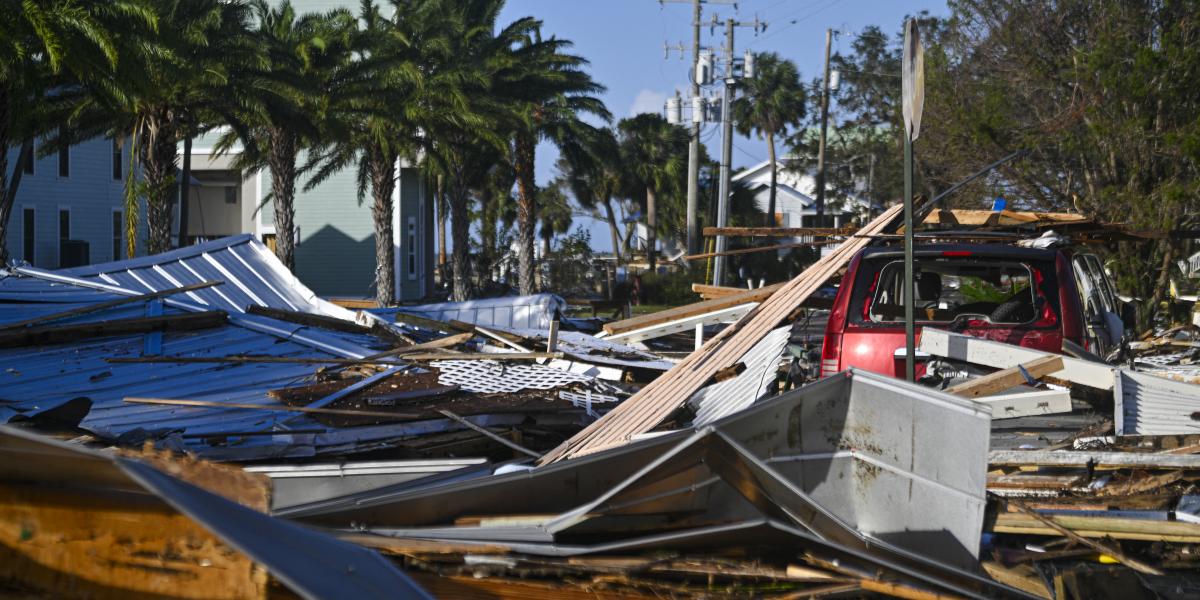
998,292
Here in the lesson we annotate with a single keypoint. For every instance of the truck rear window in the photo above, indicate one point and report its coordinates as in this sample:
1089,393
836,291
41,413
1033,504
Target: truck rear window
996,292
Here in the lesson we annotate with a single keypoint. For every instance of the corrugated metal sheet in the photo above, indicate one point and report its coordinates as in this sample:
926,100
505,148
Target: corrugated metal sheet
34,380
1149,405
510,312
732,395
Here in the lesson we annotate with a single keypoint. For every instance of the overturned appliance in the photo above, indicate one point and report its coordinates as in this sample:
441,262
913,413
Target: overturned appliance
854,466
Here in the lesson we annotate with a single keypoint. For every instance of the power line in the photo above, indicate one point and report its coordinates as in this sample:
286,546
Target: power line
793,22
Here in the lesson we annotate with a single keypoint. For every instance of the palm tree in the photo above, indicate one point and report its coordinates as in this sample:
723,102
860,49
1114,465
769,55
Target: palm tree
45,45
654,155
302,54
468,131
594,177
774,100
549,92
199,69
375,122
554,213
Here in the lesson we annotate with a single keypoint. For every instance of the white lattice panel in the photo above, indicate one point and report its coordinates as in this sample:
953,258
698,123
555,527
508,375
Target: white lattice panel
491,377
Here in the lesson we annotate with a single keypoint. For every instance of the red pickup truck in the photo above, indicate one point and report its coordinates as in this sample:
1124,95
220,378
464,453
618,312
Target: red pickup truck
1024,296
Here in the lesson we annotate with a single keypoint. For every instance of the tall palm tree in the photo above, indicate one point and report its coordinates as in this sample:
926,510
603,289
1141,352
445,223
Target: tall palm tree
375,122
198,70
654,155
466,133
46,45
549,93
594,178
774,100
302,55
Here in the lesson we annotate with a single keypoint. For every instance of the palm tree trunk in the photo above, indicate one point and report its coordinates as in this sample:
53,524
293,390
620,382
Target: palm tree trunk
282,162
651,230
526,211
489,220
441,223
381,167
612,229
460,231
159,146
770,218
8,188
185,185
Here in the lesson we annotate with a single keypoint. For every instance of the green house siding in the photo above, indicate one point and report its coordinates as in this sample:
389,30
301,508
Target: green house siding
336,253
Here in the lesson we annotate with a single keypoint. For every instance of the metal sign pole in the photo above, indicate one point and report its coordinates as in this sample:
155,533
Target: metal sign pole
913,92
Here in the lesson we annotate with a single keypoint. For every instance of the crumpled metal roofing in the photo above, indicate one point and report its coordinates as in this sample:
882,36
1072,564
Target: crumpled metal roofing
34,380
1151,405
735,394
522,312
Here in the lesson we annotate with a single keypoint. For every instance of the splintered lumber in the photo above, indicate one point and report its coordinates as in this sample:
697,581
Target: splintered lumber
489,434
660,399
441,343
1130,562
427,323
245,359
1006,379
708,292
999,355
272,407
1101,527
960,216
57,334
424,356
1022,577
692,310
308,319
755,249
1099,460
777,231
99,306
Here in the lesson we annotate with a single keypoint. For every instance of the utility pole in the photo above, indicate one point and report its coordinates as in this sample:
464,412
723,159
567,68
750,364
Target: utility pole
824,126
731,77
726,153
693,179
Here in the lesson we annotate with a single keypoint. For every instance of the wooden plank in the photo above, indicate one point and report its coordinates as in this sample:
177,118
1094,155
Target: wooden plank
659,399
501,356
272,407
1006,379
777,231
999,355
308,319
1022,577
465,587
245,359
59,334
110,545
426,323
755,249
1024,404
691,310
1052,523
1101,460
99,306
657,330
977,218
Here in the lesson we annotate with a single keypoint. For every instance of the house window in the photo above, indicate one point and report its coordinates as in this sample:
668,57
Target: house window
64,224
116,159
231,195
32,159
29,234
64,161
118,228
412,247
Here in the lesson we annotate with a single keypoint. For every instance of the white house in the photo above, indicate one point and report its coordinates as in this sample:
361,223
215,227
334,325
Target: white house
795,196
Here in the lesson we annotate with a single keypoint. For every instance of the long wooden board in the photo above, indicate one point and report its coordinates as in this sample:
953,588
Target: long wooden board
663,396
691,310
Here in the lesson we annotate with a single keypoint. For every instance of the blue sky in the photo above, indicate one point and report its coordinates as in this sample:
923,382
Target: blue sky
624,39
